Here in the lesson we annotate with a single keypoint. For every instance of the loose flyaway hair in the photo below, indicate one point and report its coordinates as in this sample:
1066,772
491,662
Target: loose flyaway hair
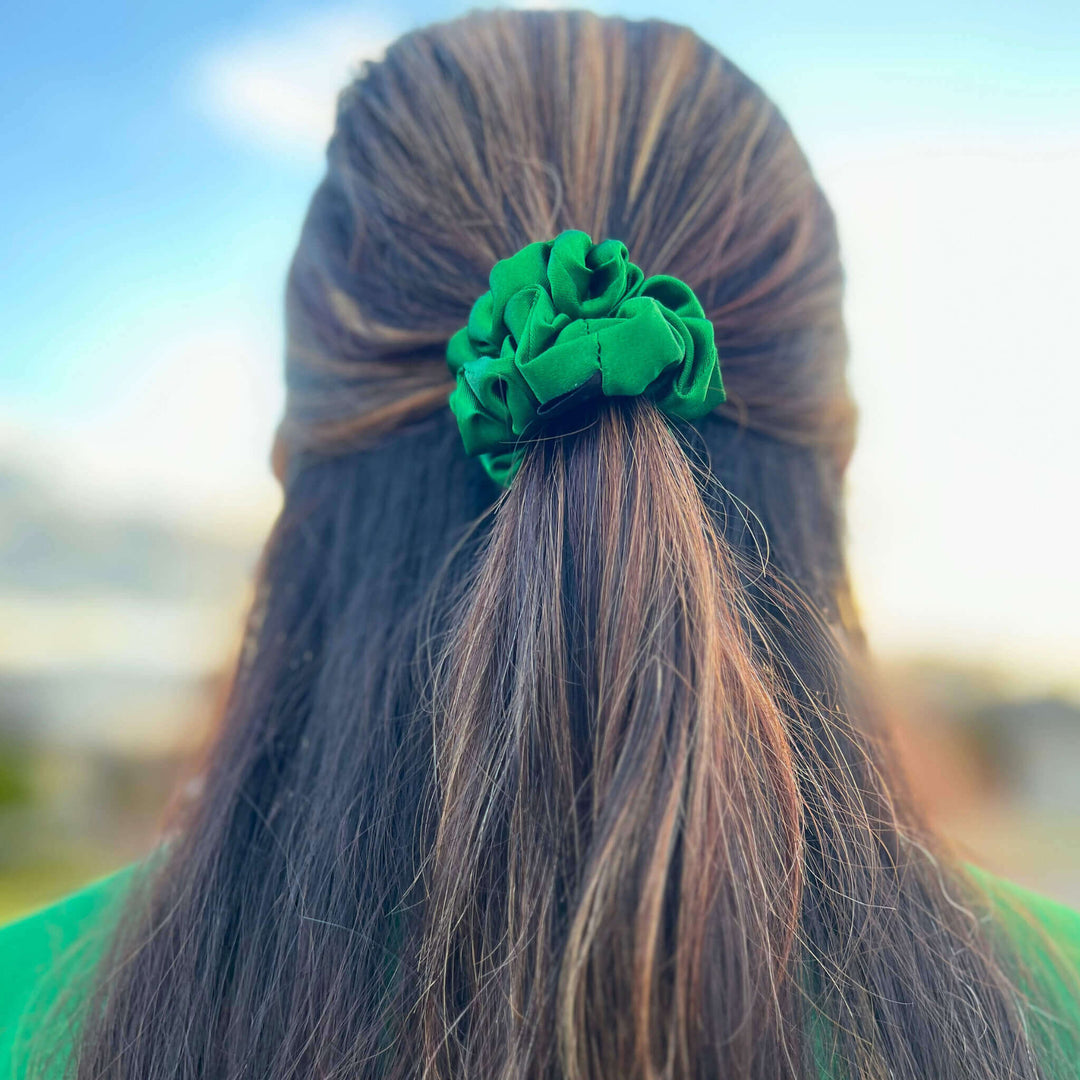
580,779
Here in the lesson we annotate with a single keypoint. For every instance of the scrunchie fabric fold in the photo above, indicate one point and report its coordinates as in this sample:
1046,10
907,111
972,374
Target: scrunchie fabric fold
566,317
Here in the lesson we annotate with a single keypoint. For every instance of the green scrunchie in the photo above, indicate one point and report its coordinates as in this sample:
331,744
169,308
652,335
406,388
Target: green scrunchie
568,315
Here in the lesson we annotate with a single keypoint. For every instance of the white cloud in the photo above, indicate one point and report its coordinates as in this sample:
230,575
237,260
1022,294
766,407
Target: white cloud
277,88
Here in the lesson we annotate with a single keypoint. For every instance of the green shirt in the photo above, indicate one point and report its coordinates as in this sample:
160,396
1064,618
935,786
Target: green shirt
78,926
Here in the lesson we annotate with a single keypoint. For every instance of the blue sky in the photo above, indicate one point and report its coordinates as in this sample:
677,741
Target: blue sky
159,157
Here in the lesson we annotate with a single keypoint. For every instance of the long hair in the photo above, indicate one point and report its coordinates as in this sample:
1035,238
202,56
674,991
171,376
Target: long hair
580,780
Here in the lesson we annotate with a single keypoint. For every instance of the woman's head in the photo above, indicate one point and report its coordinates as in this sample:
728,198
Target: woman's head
576,783
474,137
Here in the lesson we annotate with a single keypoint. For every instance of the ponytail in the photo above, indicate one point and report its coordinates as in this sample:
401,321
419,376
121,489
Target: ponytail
616,811
617,851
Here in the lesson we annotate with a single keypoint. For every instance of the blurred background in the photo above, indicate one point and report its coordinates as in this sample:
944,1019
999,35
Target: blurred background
158,159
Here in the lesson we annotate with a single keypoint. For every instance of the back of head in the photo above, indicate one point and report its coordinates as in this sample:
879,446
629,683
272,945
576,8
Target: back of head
474,137
573,780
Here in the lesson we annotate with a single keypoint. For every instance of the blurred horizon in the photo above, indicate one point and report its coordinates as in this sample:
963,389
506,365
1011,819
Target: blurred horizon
160,161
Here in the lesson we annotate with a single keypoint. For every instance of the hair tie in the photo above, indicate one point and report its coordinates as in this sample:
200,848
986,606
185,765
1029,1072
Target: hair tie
566,318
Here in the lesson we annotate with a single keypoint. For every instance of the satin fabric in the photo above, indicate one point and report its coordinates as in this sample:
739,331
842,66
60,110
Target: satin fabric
566,319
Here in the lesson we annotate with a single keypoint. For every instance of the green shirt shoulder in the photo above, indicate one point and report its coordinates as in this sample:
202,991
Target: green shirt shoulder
43,953
1046,935
1022,911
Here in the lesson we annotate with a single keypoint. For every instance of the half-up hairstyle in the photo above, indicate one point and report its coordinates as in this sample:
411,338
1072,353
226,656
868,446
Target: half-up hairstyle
576,780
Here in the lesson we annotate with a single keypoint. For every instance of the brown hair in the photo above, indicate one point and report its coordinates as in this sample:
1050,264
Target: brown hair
576,782
481,135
